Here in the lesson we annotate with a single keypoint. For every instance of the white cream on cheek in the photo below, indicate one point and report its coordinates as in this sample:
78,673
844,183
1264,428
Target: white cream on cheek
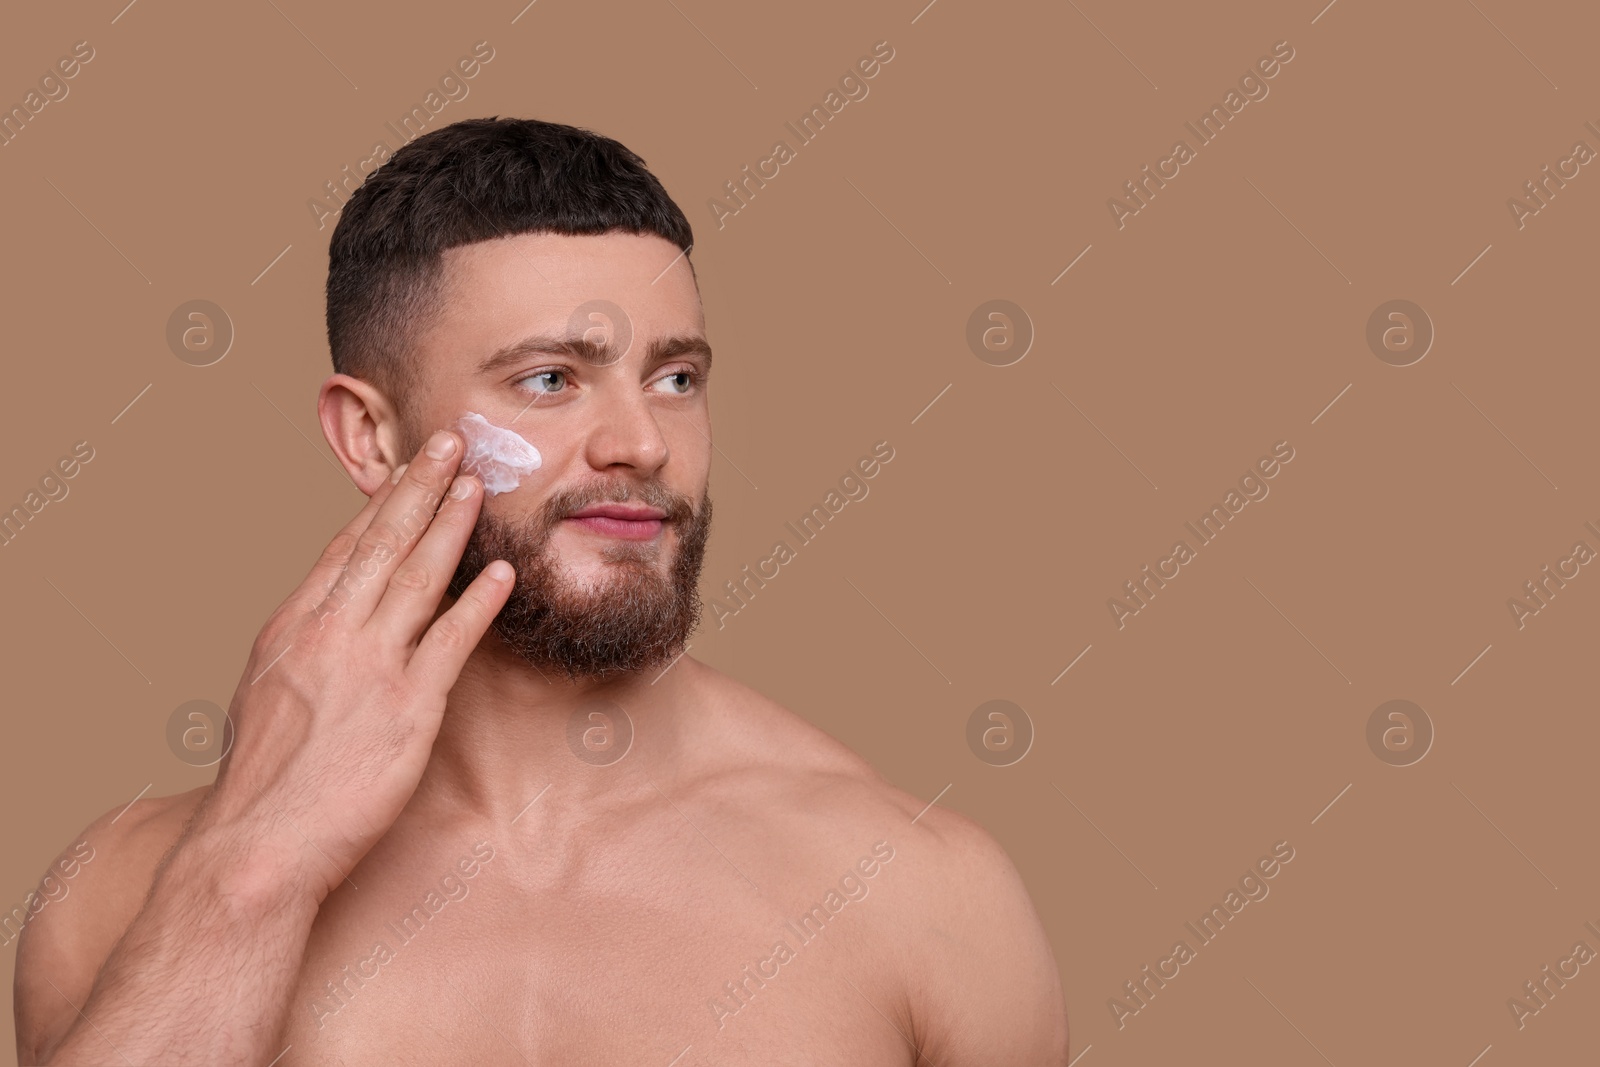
500,458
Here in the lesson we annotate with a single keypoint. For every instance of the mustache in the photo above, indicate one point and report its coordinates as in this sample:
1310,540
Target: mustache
566,502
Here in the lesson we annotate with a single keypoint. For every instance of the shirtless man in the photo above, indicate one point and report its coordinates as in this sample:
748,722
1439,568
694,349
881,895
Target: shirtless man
477,816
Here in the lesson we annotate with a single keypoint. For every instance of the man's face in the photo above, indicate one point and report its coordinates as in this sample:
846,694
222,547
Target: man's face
621,425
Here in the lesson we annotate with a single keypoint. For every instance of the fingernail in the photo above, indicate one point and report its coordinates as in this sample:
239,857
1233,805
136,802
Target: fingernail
441,445
394,479
499,570
461,488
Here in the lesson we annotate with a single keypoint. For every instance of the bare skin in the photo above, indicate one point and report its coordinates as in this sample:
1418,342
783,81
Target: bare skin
406,858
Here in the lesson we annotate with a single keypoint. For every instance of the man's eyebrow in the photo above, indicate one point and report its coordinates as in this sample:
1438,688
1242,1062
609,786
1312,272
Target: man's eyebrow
665,348
579,347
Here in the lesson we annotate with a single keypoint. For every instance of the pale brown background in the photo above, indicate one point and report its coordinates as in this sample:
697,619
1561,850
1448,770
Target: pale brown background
1224,317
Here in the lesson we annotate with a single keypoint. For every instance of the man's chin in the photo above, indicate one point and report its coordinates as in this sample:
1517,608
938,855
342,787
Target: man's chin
618,572
623,624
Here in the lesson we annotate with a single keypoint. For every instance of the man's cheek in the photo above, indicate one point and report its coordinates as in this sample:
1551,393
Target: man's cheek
498,456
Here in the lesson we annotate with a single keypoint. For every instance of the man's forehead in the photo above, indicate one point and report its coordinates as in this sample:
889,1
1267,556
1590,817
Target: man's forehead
499,290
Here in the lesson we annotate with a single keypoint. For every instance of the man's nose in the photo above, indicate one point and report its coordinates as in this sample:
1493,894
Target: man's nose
626,432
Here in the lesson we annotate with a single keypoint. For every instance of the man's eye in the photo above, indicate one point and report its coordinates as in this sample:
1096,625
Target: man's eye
545,381
680,382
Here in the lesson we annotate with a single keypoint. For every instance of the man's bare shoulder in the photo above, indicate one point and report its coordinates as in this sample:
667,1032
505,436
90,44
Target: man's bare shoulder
780,764
955,921
82,906
750,744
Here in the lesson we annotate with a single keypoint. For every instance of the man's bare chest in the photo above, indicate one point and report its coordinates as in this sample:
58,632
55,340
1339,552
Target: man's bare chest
493,956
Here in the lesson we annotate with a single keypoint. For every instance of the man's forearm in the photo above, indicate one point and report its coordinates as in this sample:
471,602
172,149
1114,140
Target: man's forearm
204,971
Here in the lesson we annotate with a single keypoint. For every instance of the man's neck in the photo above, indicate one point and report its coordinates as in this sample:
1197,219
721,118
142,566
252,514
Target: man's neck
512,731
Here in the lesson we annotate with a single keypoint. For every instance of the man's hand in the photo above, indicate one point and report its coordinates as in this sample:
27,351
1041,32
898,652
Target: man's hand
345,688
334,721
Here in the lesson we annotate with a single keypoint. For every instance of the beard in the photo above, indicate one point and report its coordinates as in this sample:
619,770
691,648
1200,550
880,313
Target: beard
634,617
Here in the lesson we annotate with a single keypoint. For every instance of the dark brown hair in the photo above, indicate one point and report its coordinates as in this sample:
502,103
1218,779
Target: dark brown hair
473,180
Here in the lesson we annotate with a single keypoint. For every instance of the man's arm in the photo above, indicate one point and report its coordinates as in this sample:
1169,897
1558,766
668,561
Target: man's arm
203,971
334,721
81,908
988,993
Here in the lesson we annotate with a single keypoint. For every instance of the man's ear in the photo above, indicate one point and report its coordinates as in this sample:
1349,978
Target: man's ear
362,428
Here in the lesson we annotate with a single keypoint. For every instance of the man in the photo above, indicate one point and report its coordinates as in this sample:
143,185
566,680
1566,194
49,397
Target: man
557,840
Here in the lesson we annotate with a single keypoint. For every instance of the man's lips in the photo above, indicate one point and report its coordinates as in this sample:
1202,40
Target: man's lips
620,520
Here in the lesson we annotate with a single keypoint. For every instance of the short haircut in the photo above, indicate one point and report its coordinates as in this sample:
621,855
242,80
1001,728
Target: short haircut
474,180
